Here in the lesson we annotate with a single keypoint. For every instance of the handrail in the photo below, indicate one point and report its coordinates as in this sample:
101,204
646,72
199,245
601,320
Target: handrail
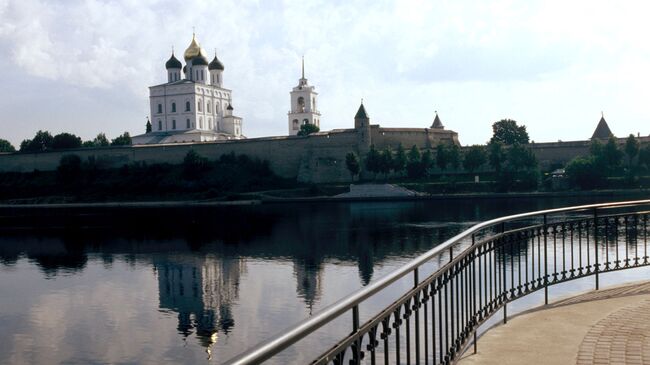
288,337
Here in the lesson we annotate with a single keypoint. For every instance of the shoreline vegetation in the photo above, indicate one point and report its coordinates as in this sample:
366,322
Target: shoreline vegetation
505,166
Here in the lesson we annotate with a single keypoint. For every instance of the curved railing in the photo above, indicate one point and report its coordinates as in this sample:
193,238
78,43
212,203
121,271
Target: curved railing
505,259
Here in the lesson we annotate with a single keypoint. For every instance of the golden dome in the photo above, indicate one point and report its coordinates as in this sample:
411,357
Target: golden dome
193,50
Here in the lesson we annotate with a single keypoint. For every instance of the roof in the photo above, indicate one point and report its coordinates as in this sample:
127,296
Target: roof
173,63
215,64
361,113
602,130
437,123
199,60
230,107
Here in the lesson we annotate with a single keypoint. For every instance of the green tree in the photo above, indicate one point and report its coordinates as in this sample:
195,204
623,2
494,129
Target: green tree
631,148
352,163
612,155
373,160
42,141
102,141
644,157
386,161
414,168
496,155
69,168
442,156
194,165
307,129
64,141
585,173
474,158
454,156
399,162
87,144
6,146
147,127
426,162
507,132
521,158
122,140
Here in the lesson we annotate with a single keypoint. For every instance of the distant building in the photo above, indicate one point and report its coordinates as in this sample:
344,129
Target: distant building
193,105
303,105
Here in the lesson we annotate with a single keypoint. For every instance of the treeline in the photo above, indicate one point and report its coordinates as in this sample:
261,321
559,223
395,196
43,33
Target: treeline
512,164
608,162
195,178
45,141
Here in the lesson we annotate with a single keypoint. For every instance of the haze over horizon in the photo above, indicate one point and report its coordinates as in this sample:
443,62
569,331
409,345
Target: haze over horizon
84,67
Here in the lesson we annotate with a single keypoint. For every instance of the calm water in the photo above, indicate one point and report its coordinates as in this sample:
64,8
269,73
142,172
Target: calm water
201,285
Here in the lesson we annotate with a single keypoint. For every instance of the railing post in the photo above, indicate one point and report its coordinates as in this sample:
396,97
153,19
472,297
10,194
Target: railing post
504,287
596,244
474,258
356,349
451,253
545,262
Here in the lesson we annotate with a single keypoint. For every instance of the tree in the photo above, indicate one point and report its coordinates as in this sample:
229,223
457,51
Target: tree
102,141
474,158
521,158
442,156
399,162
64,141
585,173
414,168
631,148
373,158
507,132
307,129
386,161
69,168
194,165
42,141
612,155
453,153
644,157
496,155
122,140
426,162
352,163
6,146
147,126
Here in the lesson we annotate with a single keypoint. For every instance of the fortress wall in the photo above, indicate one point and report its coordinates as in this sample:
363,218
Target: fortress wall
424,138
559,153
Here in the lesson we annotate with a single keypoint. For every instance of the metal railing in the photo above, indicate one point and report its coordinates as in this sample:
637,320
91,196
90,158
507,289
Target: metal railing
505,259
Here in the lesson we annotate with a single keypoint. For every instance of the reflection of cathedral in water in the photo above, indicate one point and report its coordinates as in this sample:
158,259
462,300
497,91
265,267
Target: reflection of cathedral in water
202,290
309,277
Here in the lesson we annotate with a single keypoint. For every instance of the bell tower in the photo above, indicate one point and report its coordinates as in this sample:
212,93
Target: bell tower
304,108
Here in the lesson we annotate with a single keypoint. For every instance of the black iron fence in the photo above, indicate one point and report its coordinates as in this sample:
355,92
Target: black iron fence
504,260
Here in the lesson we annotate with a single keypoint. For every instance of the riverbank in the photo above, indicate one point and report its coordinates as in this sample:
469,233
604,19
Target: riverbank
261,198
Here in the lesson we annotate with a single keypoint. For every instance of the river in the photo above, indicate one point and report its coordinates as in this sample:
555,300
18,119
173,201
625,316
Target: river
199,285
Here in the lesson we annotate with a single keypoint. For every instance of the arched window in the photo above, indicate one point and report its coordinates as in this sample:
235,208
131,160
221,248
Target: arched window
198,105
160,125
305,121
209,107
209,123
313,103
159,108
217,108
173,107
200,123
187,106
188,124
202,75
174,124
295,125
301,104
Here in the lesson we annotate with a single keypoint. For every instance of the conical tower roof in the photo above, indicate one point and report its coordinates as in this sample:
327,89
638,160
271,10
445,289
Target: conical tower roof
437,123
361,113
602,130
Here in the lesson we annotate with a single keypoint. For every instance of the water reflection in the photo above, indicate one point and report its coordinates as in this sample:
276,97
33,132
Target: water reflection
227,277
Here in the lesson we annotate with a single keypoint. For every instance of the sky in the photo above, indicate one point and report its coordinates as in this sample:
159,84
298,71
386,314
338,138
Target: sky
84,66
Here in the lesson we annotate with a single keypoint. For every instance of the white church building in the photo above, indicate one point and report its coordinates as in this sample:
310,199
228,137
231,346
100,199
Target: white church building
303,105
193,105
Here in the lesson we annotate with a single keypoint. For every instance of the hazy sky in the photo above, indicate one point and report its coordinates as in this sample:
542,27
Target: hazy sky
85,66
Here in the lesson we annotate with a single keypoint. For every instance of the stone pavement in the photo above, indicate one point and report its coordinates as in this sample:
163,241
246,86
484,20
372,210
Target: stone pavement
609,326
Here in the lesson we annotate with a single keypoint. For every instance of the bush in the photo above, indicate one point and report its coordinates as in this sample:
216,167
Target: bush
65,141
585,172
194,165
69,167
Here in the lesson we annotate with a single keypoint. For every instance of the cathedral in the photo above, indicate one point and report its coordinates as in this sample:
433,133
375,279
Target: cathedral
193,105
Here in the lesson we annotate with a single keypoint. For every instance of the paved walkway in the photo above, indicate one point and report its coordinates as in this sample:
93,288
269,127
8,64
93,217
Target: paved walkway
610,326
